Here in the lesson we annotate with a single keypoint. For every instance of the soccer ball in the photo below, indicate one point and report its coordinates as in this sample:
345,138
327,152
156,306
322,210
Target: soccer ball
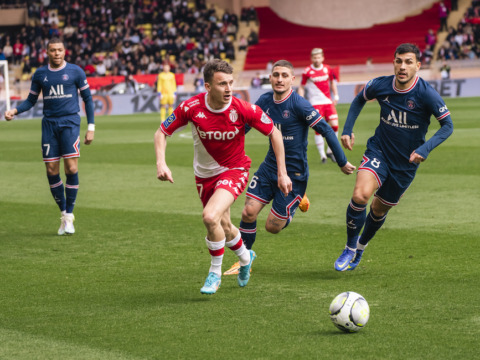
349,311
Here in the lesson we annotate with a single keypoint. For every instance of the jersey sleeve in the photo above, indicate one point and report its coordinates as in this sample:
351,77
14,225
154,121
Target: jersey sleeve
82,84
304,77
177,120
257,119
438,108
35,89
437,105
318,123
368,91
308,112
355,108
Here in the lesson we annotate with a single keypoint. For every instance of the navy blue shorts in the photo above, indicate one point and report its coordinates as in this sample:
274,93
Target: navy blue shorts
60,139
391,184
264,188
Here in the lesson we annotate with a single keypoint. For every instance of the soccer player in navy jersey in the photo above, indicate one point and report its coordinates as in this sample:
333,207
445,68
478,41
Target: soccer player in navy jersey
293,116
59,82
396,149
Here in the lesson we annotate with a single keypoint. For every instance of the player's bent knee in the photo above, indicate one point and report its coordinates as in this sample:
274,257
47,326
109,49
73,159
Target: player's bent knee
209,219
248,215
361,198
273,228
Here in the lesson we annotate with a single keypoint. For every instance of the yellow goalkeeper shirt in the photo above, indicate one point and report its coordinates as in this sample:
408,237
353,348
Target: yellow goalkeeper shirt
166,83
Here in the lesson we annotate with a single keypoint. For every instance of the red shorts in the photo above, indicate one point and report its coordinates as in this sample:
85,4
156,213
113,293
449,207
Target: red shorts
234,181
328,112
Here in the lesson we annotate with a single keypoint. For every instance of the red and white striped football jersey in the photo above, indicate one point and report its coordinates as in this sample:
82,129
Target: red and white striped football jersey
317,84
218,135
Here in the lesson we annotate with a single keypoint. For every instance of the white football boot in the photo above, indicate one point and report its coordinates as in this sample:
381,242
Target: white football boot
61,229
69,228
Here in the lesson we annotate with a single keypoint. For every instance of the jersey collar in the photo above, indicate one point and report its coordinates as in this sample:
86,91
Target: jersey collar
315,68
405,90
58,69
284,99
219,110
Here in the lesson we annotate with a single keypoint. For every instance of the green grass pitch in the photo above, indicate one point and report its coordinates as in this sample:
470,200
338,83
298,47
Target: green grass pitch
126,285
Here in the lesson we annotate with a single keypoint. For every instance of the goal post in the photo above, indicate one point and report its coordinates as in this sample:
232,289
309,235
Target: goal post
6,82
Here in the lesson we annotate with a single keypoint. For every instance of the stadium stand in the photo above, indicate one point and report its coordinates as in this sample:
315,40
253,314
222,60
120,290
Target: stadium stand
343,47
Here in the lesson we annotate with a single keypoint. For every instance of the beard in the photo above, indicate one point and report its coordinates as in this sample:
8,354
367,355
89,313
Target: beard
277,92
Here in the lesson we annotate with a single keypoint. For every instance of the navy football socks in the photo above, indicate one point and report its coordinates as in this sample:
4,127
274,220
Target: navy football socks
356,214
249,233
57,190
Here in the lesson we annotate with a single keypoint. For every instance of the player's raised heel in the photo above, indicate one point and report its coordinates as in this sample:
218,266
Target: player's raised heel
344,260
212,283
244,272
356,260
304,204
234,269
69,228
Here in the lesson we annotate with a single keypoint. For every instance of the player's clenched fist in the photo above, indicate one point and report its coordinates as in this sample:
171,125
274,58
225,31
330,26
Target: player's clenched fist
10,114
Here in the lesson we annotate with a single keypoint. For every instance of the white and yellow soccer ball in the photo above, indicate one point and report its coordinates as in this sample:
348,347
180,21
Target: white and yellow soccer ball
349,311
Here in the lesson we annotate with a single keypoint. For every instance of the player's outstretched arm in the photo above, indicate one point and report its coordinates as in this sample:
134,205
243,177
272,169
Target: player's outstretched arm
160,142
10,114
284,182
348,138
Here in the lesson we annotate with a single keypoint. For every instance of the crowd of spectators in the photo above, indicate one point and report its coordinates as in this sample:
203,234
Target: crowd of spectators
122,37
463,42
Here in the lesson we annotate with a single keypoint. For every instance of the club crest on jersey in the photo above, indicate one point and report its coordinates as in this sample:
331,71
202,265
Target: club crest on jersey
411,104
65,77
265,119
286,114
233,115
169,121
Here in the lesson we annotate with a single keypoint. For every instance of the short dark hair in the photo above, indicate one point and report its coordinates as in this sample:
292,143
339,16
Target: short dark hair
214,66
407,48
55,40
283,63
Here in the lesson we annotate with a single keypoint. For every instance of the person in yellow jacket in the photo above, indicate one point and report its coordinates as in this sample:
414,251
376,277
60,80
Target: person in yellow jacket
166,89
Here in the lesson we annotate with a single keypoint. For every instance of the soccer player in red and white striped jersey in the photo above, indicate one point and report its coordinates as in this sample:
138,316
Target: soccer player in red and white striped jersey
319,80
217,121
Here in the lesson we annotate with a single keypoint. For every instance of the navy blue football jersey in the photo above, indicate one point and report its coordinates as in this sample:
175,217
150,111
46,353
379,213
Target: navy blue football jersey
293,116
404,118
60,90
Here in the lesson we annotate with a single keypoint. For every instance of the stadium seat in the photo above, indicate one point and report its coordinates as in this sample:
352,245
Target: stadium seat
342,47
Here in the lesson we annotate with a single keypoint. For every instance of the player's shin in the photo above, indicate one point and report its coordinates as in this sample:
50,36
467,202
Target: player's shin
237,246
57,190
356,214
71,190
372,224
216,249
248,232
